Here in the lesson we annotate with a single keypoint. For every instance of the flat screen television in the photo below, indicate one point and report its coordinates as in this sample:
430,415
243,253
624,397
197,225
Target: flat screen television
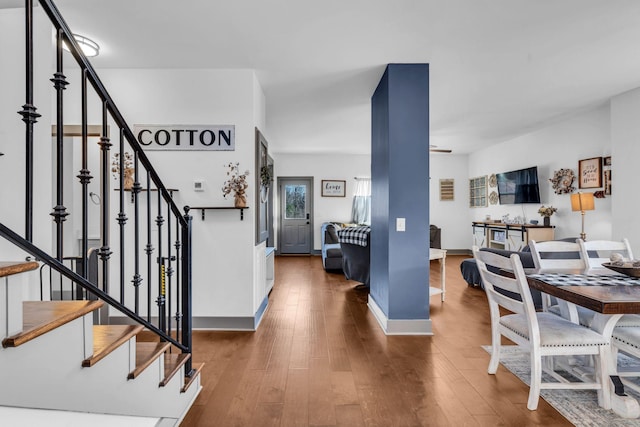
519,186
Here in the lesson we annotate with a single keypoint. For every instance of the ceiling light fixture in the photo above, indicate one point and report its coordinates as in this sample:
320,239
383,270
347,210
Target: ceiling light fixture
88,46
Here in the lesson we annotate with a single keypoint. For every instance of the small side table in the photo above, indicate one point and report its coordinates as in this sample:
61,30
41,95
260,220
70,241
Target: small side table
441,256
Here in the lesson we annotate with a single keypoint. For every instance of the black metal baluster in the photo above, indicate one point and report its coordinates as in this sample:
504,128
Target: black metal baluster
29,117
149,248
59,213
186,289
105,250
85,175
122,217
137,278
178,289
162,324
170,258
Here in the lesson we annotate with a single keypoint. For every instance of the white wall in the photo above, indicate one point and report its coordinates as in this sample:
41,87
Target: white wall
560,145
324,166
223,245
451,216
625,150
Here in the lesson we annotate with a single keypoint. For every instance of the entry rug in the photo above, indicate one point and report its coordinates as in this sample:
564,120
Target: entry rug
580,407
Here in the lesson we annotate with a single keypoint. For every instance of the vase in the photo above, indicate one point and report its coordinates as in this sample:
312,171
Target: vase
128,178
240,201
547,221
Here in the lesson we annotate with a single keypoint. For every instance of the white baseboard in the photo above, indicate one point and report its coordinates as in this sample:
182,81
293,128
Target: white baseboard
399,326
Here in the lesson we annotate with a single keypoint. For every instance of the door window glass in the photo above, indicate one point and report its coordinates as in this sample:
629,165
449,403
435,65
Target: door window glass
295,201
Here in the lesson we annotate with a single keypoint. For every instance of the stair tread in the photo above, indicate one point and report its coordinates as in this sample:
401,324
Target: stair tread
146,353
107,338
40,317
188,380
172,364
7,268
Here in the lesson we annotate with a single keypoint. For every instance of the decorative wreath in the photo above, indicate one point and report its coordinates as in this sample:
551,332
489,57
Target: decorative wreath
493,198
563,181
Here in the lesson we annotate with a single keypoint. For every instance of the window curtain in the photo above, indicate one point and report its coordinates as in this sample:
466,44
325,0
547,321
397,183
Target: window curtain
361,211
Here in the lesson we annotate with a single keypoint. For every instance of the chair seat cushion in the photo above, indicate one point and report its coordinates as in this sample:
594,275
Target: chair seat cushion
628,320
629,335
554,330
585,317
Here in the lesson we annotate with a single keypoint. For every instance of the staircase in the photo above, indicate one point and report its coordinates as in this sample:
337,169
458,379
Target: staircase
119,345
60,360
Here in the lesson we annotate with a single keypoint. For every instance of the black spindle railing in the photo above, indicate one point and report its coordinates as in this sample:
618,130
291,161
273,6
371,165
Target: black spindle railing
169,285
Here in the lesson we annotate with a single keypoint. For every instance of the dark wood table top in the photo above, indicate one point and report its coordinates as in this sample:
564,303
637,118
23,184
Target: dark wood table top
606,299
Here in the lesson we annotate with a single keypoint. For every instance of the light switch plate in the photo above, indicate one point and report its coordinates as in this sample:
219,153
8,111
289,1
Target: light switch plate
400,224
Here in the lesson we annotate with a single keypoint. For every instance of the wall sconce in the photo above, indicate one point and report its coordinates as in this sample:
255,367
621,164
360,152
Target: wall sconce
582,202
88,46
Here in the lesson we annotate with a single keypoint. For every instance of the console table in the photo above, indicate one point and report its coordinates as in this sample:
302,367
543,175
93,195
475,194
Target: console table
440,255
511,237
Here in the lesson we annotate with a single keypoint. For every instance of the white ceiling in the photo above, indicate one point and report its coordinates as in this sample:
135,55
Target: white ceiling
498,68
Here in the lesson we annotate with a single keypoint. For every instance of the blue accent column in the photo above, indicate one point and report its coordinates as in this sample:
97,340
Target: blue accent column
400,189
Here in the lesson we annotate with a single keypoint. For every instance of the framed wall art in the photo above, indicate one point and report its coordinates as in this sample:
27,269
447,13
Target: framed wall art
263,183
333,188
446,189
478,192
590,173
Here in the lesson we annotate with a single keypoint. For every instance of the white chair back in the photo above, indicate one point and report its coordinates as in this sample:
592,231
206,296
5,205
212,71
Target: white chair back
555,256
520,300
597,252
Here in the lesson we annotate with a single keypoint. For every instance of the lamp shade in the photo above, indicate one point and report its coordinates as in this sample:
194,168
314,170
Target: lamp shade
582,202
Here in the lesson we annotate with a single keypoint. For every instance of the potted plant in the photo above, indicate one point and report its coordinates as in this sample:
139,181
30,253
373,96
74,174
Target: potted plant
236,184
266,178
128,169
546,212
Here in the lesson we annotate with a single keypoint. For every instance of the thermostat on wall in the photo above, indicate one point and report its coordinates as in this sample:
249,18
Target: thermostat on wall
198,185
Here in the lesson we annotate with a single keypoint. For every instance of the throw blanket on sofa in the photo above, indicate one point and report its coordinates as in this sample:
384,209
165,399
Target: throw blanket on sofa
355,235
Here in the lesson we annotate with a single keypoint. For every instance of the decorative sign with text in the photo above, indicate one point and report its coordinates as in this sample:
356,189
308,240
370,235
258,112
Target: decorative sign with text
590,173
333,188
186,137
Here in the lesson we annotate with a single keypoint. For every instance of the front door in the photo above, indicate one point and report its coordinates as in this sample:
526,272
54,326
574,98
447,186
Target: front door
296,208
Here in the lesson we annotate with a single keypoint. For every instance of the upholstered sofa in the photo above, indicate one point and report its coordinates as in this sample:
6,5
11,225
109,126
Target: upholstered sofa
434,237
355,243
331,251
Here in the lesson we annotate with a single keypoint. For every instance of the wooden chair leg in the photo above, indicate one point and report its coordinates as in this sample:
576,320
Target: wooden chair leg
535,380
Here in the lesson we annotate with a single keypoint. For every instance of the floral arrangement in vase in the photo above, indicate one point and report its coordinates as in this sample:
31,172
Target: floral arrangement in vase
236,184
546,212
128,169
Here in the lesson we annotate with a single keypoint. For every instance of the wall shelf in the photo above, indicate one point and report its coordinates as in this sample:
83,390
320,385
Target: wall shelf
204,208
144,190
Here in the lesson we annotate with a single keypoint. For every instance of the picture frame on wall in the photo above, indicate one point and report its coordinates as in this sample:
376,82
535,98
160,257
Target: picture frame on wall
447,188
262,190
590,173
333,188
607,182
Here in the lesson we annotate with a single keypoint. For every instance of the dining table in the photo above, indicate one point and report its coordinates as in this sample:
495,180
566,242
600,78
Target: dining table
610,297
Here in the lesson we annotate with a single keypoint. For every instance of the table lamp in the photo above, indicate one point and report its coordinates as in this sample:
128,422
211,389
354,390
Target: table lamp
582,202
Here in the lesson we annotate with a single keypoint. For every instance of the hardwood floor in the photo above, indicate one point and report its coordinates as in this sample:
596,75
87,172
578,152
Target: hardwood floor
319,358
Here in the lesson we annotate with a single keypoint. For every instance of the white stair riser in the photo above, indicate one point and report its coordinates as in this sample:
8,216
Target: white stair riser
47,373
11,297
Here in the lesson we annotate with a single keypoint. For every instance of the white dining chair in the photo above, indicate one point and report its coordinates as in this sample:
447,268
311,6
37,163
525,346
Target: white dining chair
541,334
597,252
557,256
